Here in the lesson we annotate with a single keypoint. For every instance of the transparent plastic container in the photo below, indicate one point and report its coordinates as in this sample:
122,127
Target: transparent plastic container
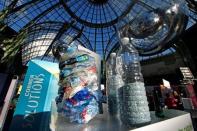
79,94
114,82
134,108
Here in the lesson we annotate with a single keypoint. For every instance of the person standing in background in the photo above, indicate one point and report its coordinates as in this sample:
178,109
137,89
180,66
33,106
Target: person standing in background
170,101
178,100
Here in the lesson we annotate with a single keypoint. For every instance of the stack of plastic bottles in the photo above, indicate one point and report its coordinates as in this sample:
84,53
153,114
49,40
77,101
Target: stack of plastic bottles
78,93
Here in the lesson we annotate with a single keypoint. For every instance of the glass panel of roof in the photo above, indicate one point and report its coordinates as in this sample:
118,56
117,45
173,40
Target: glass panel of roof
96,19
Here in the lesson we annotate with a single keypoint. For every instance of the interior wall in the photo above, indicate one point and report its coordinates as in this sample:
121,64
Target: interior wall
162,66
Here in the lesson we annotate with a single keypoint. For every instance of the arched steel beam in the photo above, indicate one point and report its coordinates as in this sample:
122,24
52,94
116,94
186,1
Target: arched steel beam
64,27
98,25
40,15
24,5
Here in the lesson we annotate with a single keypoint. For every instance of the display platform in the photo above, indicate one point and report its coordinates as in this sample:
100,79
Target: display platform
174,120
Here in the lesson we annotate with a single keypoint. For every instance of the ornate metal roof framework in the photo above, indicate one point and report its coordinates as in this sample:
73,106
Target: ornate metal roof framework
95,20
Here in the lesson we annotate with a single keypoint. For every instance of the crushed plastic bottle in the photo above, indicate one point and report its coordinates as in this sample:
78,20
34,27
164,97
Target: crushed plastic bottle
82,107
79,95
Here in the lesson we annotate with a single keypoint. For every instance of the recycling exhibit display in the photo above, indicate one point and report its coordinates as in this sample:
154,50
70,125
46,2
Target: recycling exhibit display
73,83
42,87
78,95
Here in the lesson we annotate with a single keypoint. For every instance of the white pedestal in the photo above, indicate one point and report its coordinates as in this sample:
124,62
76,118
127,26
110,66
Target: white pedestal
174,120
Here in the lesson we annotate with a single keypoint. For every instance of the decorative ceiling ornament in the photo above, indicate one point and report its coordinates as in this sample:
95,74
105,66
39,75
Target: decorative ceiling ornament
152,29
192,4
146,24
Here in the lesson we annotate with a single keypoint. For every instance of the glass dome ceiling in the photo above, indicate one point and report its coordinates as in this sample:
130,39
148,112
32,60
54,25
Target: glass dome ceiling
94,20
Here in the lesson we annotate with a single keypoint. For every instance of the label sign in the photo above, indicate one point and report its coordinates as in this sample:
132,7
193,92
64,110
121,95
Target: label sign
166,83
186,72
30,114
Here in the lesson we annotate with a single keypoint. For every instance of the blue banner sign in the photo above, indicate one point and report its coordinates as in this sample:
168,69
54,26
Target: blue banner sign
33,109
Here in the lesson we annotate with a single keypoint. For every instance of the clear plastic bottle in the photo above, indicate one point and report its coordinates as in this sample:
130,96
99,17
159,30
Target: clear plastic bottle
113,84
133,100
